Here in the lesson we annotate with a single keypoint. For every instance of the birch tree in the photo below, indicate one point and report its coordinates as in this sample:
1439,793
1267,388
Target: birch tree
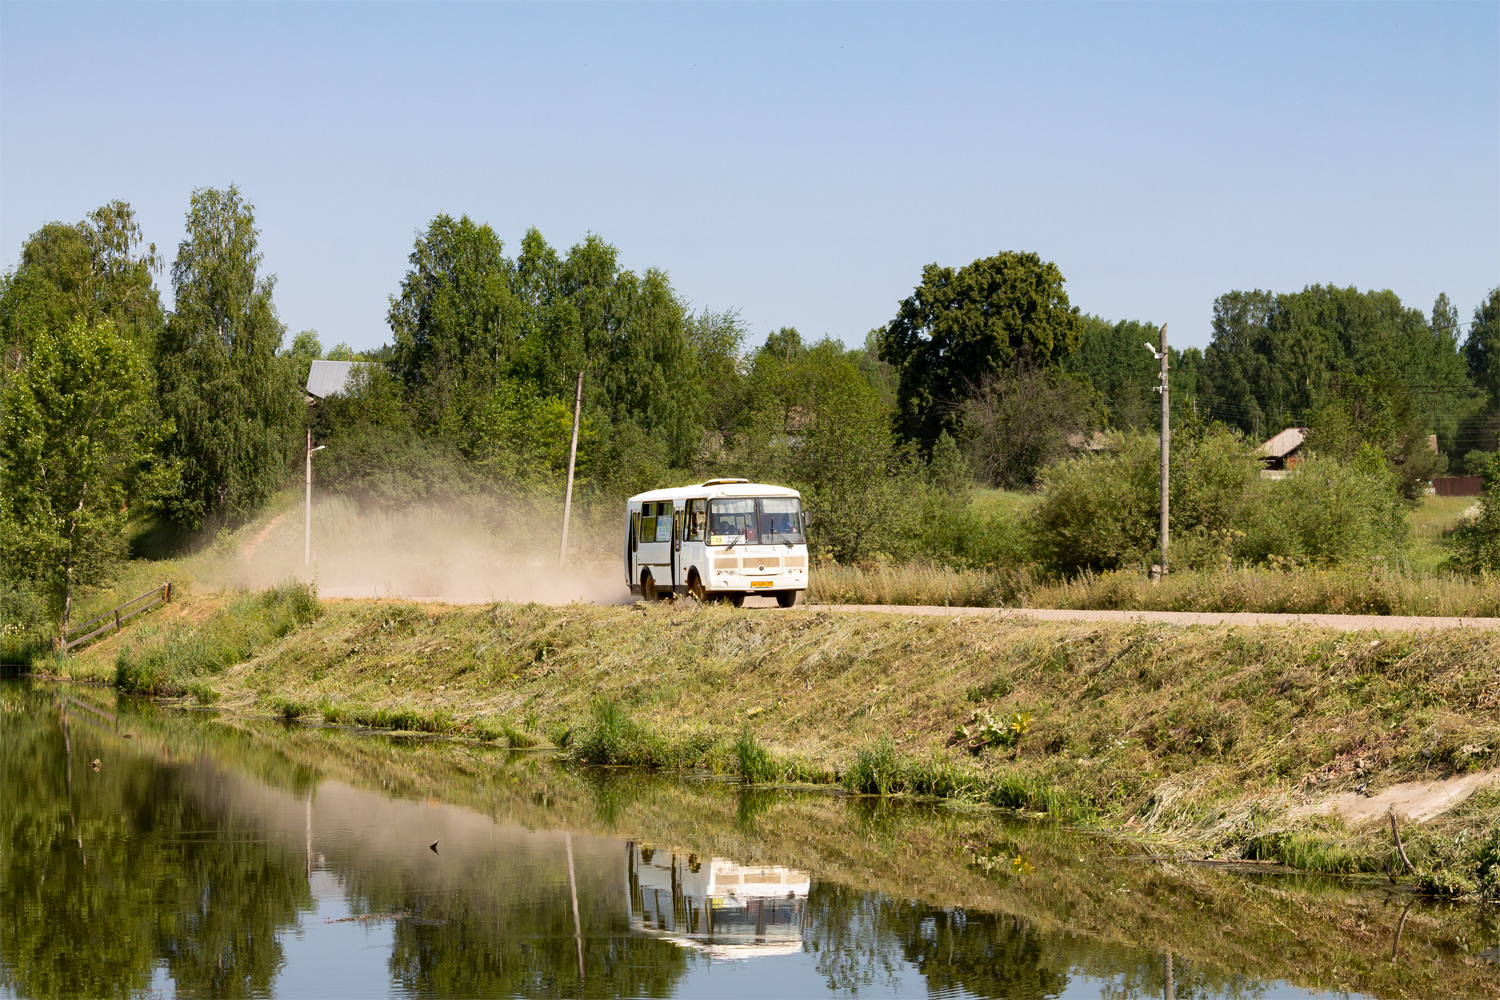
75,454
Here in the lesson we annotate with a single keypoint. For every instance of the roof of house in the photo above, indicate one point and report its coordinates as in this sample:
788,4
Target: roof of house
328,378
1285,443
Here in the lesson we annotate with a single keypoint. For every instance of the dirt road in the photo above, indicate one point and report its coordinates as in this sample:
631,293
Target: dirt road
1351,623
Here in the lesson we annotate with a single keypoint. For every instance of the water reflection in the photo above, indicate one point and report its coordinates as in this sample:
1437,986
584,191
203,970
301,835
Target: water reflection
723,909
224,860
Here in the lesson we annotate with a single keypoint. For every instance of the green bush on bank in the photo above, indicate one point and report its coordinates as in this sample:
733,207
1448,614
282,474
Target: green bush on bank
613,737
1475,543
165,661
881,769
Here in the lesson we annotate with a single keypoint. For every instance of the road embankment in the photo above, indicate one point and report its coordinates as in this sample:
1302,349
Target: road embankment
1224,740
1343,623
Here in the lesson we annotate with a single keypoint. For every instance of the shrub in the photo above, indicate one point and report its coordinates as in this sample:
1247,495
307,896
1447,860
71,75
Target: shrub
24,624
1475,544
753,761
1100,512
1017,422
876,770
613,737
1327,513
963,535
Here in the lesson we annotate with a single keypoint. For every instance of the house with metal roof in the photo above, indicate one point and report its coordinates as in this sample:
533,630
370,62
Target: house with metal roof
329,378
1284,450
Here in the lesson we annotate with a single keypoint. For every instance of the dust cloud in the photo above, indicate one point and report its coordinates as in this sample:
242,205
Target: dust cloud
427,555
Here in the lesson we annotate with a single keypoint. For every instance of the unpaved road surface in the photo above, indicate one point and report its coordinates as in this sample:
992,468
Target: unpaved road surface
1349,623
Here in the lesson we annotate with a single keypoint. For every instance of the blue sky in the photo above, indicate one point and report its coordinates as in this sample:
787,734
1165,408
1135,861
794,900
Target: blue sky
800,163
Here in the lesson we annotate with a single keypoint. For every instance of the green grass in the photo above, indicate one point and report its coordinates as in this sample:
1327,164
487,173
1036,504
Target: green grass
613,737
880,769
1431,518
170,659
1013,503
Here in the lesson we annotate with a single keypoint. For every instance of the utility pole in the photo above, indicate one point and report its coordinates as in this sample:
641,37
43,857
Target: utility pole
1166,440
562,551
307,518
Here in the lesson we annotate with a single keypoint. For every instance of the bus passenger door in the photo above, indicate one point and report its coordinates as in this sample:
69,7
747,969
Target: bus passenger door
632,530
677,522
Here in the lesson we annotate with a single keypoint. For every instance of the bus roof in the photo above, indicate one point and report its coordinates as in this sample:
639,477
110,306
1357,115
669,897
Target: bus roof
719,488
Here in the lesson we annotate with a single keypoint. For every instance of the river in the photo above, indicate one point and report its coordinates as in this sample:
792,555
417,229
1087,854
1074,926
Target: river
148,851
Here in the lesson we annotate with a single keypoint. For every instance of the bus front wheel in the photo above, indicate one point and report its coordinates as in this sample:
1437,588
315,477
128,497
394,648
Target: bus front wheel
648,588
738,600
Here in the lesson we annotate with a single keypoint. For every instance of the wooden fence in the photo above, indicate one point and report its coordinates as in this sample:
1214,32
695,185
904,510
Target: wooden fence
77,635
1458,486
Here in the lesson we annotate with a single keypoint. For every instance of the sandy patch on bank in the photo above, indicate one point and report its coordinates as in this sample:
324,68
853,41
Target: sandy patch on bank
1417,801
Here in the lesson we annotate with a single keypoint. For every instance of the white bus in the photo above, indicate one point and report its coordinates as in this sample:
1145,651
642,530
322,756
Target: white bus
723,539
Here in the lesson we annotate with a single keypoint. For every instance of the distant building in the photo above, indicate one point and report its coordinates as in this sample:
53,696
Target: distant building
329,378
1284,451
1097,441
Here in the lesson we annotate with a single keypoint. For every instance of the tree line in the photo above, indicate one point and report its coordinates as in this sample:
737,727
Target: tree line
119,410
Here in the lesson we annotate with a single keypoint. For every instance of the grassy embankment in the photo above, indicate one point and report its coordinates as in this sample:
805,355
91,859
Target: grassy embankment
1207,738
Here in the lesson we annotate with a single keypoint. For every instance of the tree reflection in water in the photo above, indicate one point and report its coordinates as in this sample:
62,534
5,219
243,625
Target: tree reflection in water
136,867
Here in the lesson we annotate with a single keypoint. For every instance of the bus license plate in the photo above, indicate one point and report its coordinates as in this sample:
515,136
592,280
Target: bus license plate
760,583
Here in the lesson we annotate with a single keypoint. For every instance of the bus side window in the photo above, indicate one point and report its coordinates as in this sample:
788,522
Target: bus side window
648,522
634,530
697,519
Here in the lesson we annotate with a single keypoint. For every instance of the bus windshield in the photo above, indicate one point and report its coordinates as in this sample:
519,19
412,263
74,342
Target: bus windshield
768,521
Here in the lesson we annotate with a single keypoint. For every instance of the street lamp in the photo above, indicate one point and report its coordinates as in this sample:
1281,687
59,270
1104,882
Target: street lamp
1166,439
307,520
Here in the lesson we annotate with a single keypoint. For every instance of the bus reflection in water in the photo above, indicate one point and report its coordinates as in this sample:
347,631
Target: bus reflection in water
713,905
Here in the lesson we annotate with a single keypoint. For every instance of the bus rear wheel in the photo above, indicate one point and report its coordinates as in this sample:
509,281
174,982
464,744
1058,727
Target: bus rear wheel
738,600
789,598
648,588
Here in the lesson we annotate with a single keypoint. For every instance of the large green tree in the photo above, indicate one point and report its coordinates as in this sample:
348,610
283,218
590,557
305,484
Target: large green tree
816,423
455,321
75,454
93,270
717,340
482,339
959,325
236,405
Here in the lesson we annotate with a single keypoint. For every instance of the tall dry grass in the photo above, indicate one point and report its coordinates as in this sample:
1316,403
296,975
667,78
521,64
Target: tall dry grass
1374,590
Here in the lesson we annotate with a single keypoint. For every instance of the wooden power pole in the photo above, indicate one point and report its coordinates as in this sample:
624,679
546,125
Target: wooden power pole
562,551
